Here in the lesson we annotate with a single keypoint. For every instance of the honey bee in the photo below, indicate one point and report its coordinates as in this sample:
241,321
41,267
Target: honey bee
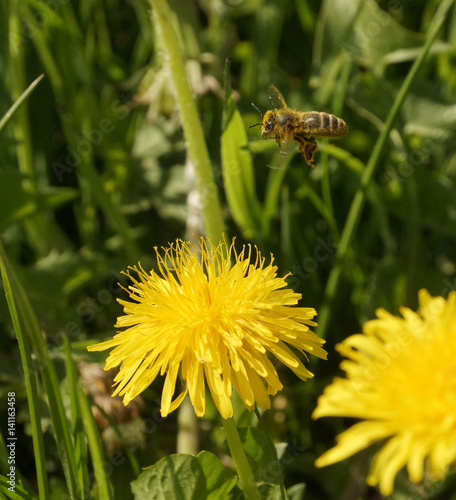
288,124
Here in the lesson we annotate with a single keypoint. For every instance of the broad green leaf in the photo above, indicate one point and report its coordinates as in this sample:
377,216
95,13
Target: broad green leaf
430,114
371,97
270,492
363,32
185,477
220,480
425,111
265,465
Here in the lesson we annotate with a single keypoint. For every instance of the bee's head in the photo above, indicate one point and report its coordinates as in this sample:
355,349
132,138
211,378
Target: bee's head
269,124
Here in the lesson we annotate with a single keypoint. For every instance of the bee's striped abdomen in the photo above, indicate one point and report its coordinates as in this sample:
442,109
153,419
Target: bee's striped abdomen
320,124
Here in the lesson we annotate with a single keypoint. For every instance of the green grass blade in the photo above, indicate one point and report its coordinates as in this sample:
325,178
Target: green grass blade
237,170
27,326
5,468
78,423
359,200
95,447
19,492
10,113
30,382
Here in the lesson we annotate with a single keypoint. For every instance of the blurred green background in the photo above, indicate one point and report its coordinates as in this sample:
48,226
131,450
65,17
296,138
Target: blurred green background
93,176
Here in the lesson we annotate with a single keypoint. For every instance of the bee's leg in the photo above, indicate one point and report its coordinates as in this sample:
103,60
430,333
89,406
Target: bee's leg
278,141
307,147
310,149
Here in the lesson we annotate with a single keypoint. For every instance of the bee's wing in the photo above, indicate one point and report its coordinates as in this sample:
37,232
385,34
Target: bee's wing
283,150
281,159
276,97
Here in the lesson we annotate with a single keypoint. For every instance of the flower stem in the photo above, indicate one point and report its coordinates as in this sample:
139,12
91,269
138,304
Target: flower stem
240,459
187,436
357,206
193,131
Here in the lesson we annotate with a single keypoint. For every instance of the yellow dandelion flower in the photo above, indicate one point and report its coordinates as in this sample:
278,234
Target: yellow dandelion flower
401,380
207,319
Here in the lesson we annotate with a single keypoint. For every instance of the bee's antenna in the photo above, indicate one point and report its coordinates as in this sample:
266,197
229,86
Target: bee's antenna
258,111
256,124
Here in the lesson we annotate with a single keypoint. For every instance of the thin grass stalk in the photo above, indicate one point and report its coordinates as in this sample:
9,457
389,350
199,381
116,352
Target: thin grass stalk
17,104
191,124
356,208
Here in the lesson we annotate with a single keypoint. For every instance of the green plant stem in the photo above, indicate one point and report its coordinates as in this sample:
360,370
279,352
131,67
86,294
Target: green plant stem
359,200
187,435
244,470
193,131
